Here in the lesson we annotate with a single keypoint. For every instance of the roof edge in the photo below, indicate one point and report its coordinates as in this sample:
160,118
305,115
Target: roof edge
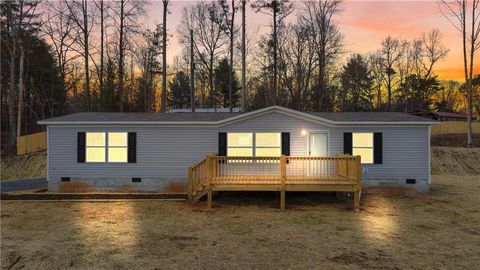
306,116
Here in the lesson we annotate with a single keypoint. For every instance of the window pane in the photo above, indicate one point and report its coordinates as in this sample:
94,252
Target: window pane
239,139
117,139
95,138
239,152
267,139
95,154
117,154
268,152
365,153
362,139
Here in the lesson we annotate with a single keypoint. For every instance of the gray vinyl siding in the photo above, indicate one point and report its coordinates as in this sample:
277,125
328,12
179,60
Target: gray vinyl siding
164,153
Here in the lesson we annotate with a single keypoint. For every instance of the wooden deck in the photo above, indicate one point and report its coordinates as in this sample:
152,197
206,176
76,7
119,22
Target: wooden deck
285,173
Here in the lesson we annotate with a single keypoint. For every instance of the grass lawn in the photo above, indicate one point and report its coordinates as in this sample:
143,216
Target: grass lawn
440,229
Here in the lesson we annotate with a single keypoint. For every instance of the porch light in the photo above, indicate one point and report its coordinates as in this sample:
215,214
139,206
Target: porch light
304,132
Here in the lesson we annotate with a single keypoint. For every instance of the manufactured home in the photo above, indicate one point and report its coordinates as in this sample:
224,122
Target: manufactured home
160,152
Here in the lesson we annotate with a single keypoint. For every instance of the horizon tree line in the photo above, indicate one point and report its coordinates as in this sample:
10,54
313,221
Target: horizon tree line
99,56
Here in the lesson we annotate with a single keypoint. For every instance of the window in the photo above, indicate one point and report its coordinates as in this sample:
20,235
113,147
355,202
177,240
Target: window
117,147
362,145
95,144
268,145
240,144
243,144
99,146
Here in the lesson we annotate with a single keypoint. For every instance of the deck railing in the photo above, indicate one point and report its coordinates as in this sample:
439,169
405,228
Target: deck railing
268,170
277,171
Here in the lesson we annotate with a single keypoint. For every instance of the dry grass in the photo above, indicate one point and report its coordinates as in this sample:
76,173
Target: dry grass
454,127
26,166
429,231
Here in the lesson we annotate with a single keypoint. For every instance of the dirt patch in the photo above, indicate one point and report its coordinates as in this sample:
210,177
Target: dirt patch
174,186
436,230
26,166
74,187
455,161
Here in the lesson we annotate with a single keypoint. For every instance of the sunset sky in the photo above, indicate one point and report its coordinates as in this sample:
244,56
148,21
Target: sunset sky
364,24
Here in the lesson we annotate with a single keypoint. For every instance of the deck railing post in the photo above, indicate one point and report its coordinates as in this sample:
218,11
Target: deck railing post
209,171
190,183
283,176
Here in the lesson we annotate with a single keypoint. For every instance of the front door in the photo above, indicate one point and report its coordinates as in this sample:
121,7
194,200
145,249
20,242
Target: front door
318,147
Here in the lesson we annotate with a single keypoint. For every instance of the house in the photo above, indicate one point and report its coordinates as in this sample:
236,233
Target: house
443,116
154,151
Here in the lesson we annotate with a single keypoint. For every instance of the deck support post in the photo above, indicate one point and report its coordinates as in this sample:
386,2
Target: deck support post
209,198
283,176
358,179
356,201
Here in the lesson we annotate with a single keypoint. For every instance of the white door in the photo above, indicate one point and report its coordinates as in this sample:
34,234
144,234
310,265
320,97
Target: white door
318,147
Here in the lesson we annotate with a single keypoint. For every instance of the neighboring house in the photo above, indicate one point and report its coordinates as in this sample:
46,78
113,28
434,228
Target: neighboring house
444,116
153,151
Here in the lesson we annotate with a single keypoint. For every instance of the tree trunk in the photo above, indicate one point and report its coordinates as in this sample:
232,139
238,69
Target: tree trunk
102,45
12,96
121,65
210,82
274,87
86,54
230,74
21,89
244,90
465,67
470,85
164,58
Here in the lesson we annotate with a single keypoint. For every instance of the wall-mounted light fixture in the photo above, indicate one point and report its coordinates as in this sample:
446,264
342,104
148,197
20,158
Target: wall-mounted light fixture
304,132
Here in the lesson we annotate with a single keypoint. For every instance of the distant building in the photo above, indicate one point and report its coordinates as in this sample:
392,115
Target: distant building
443,116
221,110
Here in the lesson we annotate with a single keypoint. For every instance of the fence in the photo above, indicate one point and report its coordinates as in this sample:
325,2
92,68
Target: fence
31,143
454,127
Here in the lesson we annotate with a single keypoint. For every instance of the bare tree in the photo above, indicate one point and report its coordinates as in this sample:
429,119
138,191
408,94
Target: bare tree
244,92
278,10
391,52
209,39
228,24
26,23
297,58
127,13
164,57
58,26
432,51
460,13
319,16
83,17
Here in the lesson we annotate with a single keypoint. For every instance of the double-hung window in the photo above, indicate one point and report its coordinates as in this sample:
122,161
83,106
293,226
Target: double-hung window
268,145
254,144
106,147
95,146
240,144
362,145
117,147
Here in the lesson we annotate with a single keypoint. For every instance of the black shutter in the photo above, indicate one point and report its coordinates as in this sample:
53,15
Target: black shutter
132,147
377,148
286,143
81,147
222,144
347,143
